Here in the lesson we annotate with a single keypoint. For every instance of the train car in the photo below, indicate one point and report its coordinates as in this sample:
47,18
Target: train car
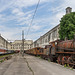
35,51
17,51
59,51
27,51
63,52
10,51
45,52
2,51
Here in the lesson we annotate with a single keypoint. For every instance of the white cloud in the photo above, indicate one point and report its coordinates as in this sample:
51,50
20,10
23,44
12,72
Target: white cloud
36,27
1,15
27,3
64,5
24,18
4,4
18,12
11,33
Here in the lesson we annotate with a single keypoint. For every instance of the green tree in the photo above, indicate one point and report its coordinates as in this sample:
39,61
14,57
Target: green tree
67,26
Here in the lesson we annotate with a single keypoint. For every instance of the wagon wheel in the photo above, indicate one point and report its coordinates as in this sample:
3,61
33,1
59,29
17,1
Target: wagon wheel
59,60
51,58
69,61
64,60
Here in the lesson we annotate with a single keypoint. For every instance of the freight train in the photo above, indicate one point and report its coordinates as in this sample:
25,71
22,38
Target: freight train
59,51
4,51
63,52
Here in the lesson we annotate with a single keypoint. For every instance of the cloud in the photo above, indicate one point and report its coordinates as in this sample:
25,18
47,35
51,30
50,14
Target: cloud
11,4
27,3
17,12
5,4
21,12
24,20
11,33
64,5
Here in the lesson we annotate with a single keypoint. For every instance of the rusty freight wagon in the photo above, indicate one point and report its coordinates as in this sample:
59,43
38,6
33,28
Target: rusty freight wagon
63,51
35,51
59,51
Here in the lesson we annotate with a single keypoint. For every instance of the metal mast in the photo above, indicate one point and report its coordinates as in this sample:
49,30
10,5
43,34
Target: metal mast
23,43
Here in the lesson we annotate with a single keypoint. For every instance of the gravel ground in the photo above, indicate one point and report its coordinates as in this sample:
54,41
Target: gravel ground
30,65
43,67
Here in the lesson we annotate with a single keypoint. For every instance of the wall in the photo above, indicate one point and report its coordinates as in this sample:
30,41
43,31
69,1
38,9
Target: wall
17,45
50,36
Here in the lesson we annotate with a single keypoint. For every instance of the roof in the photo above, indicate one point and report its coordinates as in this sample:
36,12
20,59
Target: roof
3,38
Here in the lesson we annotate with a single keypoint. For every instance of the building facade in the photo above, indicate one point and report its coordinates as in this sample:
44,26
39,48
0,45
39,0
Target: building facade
50,36
17,44
4,44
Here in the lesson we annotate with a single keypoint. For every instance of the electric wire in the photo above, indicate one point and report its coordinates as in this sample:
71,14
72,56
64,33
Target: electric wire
32,19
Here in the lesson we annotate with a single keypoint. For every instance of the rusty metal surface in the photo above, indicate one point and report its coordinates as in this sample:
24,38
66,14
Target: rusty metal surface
66,52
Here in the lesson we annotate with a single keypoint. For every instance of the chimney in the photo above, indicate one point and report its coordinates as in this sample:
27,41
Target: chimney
68,10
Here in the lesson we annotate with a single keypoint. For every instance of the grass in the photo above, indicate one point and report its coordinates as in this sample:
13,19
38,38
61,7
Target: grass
1,61
38,56
67,66
49,60
5,55
4,58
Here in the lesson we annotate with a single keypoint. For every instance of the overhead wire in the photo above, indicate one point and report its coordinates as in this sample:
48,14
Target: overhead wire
32,19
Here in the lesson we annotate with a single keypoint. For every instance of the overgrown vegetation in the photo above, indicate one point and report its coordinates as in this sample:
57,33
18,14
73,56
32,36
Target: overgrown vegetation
5,55
67,26
49,60
1,61
67,66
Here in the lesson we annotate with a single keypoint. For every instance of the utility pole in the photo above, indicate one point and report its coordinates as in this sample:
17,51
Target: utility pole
23,43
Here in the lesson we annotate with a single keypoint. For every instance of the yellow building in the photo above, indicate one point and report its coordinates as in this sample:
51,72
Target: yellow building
17,44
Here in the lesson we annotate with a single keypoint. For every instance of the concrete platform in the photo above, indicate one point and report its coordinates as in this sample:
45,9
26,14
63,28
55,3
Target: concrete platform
15,66
30,65
43,67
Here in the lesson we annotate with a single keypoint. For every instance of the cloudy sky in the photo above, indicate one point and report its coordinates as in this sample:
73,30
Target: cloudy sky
16,15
